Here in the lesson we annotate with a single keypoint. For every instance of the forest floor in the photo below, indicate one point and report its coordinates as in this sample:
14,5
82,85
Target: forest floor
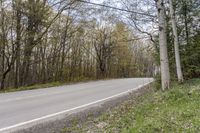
175,110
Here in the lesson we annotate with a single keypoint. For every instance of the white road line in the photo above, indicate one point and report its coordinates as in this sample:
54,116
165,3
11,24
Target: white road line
65,111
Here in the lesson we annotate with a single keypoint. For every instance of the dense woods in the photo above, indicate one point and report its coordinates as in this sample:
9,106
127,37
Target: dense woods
182,31
43,41
187,14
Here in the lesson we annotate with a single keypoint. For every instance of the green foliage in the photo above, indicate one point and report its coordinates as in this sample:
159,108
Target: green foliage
32,87
174,111
157,83
191,58
189,39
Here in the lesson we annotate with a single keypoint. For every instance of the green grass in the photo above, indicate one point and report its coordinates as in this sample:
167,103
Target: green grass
175,110
32,87
51,84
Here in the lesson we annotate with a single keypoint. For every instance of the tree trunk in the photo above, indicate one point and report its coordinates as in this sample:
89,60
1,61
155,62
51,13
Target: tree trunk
165,75
28,48
176,43
2,47
17,42
185,12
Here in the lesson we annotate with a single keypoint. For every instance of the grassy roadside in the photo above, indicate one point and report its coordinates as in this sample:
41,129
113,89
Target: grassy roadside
176,110
47,85
32,87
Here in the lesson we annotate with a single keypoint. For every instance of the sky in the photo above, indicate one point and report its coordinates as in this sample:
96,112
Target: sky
145,26
98,1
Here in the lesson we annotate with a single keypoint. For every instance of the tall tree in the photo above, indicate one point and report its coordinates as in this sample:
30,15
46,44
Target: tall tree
2,44
165,74
17,16
176,43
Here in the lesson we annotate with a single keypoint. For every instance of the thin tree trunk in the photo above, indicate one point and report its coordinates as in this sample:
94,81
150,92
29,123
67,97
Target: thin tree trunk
176,43
2,48
185,12
165,75
17,43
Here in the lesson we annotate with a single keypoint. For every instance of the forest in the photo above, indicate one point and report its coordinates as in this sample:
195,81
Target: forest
44,41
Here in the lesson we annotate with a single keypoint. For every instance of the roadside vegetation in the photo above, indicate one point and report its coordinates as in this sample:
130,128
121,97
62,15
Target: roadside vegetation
175,110
32,87
47,85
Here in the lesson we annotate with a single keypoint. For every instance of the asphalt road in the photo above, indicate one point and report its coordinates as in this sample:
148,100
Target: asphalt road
18,109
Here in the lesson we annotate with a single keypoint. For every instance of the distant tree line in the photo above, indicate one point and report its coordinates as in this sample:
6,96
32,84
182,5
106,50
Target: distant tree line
44,41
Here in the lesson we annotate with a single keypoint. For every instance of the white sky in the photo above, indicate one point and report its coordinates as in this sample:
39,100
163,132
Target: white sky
97,1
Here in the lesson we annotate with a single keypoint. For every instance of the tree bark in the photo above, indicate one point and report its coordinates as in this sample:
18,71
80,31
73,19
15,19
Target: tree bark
2,47
176,43
185,14
17,5
165,74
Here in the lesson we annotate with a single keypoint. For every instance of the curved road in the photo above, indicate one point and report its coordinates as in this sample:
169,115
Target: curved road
18,109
